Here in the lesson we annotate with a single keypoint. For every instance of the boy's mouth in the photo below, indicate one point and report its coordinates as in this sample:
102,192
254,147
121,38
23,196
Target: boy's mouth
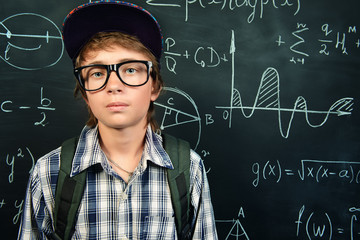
116,106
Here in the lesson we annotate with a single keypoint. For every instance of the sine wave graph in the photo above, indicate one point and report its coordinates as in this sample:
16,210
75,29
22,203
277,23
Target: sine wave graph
268,99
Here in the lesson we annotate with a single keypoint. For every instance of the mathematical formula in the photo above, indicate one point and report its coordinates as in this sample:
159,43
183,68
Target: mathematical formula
314,170
257,8
282,35
208,56
320,225
328,42
9,106
309,223
204,56
268,99
23,50
18,206
22,156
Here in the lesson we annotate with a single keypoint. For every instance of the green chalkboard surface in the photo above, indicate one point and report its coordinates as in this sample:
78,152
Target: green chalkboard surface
267,92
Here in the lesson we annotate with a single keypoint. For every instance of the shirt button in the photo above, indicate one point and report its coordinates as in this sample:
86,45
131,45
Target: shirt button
123,196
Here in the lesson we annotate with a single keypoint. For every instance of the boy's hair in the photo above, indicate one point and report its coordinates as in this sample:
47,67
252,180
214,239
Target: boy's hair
105,40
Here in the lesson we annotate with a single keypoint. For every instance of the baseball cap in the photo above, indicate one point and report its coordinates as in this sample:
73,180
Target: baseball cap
110,16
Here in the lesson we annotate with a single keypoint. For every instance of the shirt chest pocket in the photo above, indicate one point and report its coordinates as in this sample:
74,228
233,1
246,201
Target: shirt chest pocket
159,227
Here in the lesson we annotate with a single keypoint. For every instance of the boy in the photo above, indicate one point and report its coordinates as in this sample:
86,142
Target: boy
116,47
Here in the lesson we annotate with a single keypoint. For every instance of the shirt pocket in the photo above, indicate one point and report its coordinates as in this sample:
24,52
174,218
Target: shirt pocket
160,227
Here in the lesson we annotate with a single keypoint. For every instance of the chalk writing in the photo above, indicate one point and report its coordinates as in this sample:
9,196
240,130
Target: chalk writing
237,231
40,40
256,8
300,28
22,153
174,115
10,163
331,40
231,84
207,57
268,99
19,207
8,106
315,170
319,225
2,203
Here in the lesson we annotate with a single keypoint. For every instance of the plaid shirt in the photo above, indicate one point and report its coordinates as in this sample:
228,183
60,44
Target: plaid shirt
110,208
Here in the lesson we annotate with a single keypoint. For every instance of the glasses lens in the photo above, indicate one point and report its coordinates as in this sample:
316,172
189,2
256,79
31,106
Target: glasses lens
93,77
134,73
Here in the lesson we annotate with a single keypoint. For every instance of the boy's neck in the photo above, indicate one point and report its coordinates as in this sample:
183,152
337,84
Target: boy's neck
123,146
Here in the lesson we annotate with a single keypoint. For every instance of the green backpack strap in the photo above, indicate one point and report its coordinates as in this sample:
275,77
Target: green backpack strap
179,183
69,192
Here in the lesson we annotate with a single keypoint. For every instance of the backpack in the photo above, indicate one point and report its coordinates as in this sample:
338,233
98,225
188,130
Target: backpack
69,190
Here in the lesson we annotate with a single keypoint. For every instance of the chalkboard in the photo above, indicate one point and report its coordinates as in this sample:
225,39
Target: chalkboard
267,92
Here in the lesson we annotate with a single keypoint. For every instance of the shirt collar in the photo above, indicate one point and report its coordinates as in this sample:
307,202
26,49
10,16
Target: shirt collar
154,151
89,153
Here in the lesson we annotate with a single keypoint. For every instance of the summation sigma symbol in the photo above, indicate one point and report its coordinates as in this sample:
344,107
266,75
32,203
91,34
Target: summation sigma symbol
345,42
314,170
27,39
319,225
268,99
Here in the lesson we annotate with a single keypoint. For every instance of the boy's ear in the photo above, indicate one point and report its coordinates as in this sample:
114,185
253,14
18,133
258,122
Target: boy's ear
155,93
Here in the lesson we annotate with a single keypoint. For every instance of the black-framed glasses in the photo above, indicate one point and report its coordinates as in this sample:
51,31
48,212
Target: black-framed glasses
133,73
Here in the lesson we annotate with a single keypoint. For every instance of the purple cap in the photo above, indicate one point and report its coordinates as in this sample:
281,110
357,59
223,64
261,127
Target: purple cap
110,16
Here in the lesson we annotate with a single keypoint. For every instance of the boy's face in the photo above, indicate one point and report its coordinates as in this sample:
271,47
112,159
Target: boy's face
117,105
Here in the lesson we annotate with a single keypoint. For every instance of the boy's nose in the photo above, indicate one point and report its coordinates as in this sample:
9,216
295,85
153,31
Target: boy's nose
114,84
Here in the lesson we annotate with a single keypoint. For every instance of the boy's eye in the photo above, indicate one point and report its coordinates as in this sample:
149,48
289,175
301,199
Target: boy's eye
130,70
97,74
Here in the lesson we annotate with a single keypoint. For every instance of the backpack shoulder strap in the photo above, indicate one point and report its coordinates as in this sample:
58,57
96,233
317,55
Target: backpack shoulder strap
179,183
68,194
69,191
